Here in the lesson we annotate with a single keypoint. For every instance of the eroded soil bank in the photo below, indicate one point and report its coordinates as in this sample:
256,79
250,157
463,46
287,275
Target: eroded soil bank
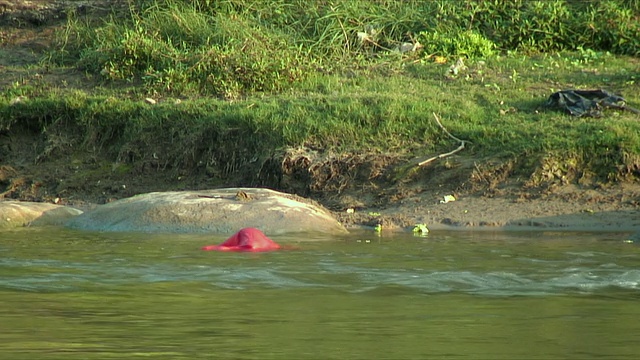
360,189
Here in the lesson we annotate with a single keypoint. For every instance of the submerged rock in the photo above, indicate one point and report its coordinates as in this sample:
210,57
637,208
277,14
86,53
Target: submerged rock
22,213
220,211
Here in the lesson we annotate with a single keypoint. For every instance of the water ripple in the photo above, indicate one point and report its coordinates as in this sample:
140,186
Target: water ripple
357,269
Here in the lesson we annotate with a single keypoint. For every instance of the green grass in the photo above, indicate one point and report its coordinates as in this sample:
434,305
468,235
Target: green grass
502,115
254,80
231,48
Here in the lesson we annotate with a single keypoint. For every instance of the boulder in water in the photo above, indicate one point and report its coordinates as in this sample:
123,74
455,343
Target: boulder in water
23,213
220,211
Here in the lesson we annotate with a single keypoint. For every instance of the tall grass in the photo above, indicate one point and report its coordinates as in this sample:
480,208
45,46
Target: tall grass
230,48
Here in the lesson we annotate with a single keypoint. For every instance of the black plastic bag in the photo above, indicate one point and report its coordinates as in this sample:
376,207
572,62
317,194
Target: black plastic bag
587,102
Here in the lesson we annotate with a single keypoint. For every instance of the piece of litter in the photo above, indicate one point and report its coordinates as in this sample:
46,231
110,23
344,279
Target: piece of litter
457,67
420,229
448,198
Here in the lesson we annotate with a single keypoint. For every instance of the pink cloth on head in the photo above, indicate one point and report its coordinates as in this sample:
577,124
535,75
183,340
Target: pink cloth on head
247,239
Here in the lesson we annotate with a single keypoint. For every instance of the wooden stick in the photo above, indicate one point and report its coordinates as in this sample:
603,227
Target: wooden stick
625,107
459,148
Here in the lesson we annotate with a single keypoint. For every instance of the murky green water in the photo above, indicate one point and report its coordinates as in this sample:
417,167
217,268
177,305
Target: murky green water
80,295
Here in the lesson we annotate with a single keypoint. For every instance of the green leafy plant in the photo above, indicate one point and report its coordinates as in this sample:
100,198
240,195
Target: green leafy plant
467,43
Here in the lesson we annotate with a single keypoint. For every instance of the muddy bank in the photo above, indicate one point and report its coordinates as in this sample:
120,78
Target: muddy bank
361,190
610,210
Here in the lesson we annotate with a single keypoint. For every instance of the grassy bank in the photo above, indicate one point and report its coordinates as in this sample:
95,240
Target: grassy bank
232,48
235,84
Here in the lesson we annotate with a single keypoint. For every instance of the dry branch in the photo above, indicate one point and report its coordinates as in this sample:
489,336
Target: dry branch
459,148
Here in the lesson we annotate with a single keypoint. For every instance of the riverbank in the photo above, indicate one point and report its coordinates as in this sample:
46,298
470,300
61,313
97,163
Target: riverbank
352,135
613,209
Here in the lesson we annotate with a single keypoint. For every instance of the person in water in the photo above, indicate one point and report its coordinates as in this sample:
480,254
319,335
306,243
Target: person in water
247,239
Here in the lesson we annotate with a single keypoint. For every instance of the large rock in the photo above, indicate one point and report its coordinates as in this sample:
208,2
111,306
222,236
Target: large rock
18,213
221,211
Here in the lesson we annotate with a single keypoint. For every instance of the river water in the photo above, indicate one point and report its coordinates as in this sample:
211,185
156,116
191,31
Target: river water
451,295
